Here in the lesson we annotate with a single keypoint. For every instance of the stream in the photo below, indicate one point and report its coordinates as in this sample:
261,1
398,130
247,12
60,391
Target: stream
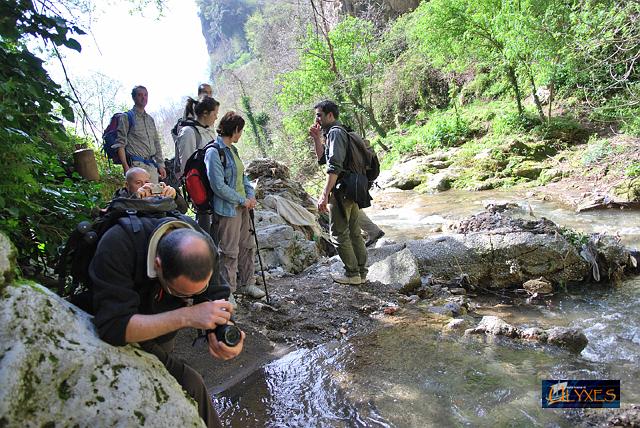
414,376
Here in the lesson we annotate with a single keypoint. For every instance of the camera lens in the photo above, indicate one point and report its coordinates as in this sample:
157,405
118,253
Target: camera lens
228,334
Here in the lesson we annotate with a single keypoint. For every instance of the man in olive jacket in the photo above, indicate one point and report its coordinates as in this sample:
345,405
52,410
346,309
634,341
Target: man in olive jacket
344,221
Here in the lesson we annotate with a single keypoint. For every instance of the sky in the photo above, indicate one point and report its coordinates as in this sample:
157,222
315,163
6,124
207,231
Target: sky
167,55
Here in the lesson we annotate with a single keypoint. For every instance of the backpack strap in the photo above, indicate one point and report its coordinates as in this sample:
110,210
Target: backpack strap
347,156
132,119
223,156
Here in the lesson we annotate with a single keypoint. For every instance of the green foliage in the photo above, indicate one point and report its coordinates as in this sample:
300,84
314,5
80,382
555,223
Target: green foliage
511,122
596,151
344,73
575,238
442,130
633,170
41,198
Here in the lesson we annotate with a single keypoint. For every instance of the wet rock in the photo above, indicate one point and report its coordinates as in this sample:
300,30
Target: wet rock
534,334
498,206
58,370
569,338
8,256
538,286
612,256
399,270
501,252
495,326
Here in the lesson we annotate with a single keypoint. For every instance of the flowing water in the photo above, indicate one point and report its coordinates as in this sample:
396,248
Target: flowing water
415,376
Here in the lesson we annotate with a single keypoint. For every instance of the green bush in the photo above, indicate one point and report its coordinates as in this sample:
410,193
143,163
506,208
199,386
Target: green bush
513,123
633,170
596,151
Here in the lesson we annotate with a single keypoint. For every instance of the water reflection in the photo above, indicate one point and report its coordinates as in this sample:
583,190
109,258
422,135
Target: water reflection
411,376
409,215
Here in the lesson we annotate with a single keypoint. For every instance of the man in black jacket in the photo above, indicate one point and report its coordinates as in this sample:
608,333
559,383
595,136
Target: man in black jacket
146,276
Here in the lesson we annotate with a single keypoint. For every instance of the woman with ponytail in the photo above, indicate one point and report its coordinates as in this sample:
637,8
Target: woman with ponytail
195,134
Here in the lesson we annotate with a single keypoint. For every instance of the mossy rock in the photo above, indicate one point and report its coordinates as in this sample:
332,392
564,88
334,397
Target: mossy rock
548,175
8,256
628,190
528,169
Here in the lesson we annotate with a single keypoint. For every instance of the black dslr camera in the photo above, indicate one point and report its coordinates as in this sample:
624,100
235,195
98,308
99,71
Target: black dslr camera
228,334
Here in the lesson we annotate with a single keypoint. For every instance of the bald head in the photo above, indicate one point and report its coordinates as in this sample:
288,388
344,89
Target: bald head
186,252
136,178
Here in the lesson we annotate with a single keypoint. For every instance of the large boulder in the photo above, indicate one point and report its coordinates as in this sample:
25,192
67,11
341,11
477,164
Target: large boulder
497,251
281,245
399,270
55,371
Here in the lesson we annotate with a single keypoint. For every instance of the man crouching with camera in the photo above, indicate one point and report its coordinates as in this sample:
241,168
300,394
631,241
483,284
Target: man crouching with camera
144,292
138,185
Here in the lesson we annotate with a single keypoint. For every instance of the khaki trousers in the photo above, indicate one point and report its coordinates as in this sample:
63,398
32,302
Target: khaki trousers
237,249
344,226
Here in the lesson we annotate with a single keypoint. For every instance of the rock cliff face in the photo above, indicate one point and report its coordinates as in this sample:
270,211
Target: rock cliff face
390,8
223,21
55,371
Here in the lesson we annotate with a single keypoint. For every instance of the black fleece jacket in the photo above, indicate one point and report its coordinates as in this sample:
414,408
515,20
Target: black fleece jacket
121,287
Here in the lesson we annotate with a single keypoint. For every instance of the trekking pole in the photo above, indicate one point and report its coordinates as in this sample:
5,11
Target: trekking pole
255,236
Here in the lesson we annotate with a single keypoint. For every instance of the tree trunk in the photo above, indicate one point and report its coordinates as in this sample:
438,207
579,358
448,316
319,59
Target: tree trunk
511,73
552,89
536,100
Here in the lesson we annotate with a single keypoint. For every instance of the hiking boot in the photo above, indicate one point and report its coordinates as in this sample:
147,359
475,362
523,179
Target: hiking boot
252,291
374,239
347,280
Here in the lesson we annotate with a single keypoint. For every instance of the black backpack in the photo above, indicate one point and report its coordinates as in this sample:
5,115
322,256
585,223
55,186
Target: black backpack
196,182
362,160
74,282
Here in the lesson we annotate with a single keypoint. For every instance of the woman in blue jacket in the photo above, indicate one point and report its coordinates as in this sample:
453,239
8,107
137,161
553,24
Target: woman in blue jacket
233,198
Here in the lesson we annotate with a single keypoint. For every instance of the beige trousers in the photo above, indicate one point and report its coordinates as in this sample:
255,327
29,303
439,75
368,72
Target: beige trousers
237,249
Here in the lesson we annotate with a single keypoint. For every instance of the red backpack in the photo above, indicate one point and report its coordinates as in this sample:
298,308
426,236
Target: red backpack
196,182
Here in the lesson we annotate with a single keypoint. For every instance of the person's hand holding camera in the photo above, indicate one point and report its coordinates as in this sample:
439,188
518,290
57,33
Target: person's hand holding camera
160,189
208,315
219,350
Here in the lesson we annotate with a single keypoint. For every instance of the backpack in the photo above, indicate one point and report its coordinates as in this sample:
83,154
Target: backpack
81,246
362,160
196,183
110,135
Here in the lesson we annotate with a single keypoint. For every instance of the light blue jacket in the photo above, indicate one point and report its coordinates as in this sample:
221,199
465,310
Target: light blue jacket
225,198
